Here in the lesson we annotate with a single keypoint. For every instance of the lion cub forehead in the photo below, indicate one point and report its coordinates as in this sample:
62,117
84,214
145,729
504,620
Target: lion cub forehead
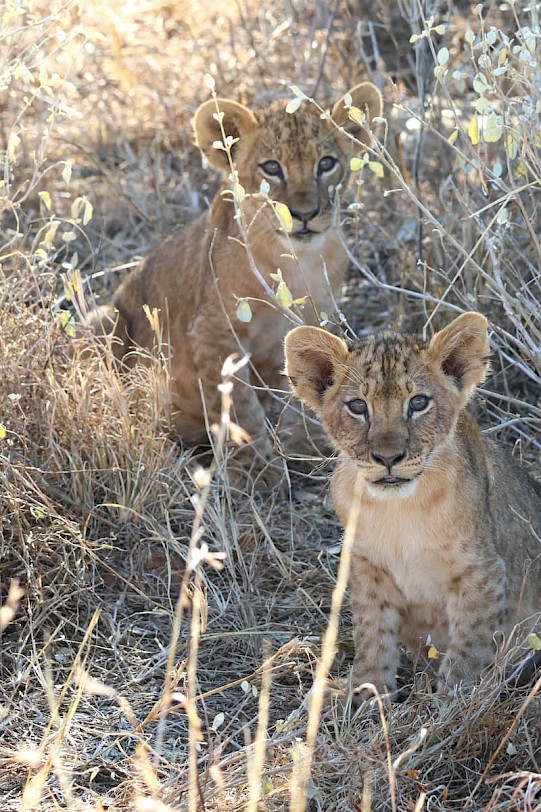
279,129
388,360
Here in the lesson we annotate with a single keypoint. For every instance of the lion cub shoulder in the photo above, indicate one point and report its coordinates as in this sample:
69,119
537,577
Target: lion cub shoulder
447,525
198,275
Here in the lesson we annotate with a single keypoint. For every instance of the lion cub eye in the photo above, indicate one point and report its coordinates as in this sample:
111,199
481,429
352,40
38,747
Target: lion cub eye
419,403
272,169
326,164
357,407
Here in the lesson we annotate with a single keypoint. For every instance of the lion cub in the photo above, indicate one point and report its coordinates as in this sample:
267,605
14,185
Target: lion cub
448,537
197,276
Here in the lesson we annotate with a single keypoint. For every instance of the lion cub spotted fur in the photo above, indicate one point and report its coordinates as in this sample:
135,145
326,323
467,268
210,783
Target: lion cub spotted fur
197,275
448,537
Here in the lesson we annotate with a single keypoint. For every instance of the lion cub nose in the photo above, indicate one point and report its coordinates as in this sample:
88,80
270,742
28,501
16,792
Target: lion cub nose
304,216
388,460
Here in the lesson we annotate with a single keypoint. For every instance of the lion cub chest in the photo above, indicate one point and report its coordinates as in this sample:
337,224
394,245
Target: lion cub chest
420,550
314,273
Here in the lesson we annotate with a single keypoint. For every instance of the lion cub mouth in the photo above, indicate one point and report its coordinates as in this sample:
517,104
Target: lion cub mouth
390,479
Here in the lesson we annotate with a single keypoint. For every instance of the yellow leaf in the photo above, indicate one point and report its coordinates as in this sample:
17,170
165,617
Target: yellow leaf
534,642
433,653
355,164
66,172
237,434
2,431
88,211
284,216
376,168
46,197
244,311
522,169
51,233
512,145
473,131
67,323
239,192
452,138
283,294
13,143
355,115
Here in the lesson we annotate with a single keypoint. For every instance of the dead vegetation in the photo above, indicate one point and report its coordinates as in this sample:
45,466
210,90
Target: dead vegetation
115,693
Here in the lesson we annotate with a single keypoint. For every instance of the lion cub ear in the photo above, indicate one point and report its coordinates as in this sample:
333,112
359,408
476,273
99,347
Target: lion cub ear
313,357
365,97
461,350
237,121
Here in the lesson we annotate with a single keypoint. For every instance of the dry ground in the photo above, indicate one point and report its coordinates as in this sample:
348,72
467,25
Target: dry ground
103,514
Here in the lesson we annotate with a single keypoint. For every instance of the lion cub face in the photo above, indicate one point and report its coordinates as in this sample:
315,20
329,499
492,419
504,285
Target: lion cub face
390,402
302,157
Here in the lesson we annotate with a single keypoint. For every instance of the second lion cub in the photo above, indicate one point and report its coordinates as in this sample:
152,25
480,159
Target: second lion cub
448,537
197,276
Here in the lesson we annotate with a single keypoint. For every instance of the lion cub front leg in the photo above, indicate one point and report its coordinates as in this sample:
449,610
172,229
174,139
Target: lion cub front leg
378,608
247,412
476,609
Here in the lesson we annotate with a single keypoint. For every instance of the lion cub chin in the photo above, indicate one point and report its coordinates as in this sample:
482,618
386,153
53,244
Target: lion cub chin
197,276
448,525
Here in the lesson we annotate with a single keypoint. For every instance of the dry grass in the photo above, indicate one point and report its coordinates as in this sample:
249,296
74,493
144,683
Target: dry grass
115,692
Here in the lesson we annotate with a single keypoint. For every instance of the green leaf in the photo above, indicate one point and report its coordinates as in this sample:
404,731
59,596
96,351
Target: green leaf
293,105
355,164
218,720
502,216
298,92
493,129
244,311
480,84
482,106
443,56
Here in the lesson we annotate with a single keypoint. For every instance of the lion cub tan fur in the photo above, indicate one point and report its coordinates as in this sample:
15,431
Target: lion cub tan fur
448,537
196,276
